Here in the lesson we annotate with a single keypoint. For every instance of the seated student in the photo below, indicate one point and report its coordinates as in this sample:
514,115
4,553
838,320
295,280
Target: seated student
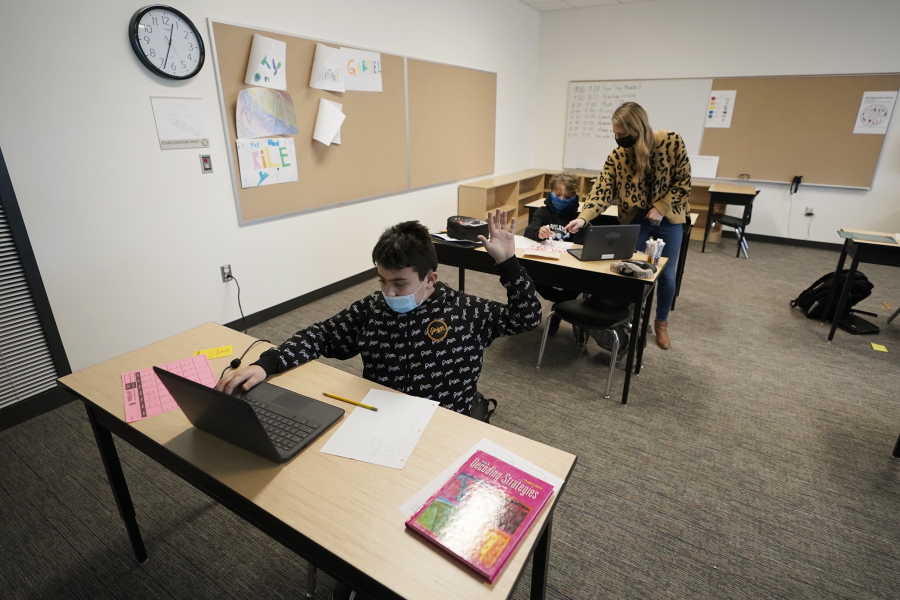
418,335
549,223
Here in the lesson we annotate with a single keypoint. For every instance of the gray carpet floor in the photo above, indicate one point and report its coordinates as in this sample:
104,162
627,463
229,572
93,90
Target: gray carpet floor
752,461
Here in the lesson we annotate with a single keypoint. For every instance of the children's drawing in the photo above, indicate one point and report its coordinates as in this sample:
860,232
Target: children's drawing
266,161
362,70
328,69
267,64
263,112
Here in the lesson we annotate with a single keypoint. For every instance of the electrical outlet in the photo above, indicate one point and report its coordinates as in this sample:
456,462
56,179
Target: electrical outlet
226,273
809,211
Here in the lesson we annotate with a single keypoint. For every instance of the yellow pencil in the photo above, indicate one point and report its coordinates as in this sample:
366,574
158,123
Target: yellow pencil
341,398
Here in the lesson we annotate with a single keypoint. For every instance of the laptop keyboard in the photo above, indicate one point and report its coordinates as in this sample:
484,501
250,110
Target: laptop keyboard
284,432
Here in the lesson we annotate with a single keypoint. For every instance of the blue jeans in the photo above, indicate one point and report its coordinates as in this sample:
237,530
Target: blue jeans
671,234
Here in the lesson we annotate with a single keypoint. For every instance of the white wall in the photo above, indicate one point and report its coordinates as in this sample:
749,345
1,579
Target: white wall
129,238
722,38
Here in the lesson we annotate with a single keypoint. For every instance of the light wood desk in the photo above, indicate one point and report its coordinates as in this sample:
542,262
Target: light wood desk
341,515
610,216
859,250
593,277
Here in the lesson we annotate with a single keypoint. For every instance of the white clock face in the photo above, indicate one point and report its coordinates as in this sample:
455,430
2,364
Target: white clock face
169,43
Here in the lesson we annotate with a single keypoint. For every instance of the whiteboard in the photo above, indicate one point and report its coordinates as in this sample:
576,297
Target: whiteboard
678,105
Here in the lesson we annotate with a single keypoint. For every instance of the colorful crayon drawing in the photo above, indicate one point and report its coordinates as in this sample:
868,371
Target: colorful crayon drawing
263,112
266,161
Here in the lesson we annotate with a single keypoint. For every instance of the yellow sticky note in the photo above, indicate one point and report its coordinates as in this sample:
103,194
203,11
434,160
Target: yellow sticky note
216,352
878,347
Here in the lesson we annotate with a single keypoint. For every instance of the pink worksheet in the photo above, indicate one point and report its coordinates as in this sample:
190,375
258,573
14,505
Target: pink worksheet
145,394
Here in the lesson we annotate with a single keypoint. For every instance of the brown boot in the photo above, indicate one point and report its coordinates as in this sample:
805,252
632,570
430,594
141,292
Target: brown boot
662,334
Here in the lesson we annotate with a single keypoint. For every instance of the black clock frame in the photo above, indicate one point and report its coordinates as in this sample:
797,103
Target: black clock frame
136,44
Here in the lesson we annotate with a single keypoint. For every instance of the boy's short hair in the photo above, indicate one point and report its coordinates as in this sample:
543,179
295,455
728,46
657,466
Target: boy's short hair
404,245
569,181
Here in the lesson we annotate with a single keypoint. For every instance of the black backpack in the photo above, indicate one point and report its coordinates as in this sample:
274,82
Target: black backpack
813,299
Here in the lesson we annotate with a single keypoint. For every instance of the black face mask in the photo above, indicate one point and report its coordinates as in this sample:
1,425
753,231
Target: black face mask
627,141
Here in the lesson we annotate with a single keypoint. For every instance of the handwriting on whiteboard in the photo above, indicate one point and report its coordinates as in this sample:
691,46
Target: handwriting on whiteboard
593,104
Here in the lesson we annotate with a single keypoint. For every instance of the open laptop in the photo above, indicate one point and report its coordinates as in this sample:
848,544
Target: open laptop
608,242
270,421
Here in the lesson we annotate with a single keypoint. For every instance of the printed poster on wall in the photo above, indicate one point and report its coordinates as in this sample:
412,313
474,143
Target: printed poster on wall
266,161
267,65
721,107
328,69
363,72
875,112
179,122
263,112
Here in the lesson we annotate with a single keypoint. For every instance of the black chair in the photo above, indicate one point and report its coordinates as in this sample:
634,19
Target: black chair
740,195
597,313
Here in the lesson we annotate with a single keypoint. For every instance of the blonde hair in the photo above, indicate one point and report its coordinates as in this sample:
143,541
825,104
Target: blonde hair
633,119
568,180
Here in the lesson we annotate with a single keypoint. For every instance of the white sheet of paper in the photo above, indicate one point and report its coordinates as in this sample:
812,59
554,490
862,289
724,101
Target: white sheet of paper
328,69
179,122
525,243
386,437
410,507
875,112
267,66
704,166
721,107
328,122
363,72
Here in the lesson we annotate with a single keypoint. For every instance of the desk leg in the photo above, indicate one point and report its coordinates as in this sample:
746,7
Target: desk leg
840,266
648,306
116,477
682,254
633,345
540,563
844,293
896,453
462,279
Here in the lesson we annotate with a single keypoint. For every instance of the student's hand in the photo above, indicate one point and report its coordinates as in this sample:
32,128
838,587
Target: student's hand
654,216
576,224
235,382
502,243
544,233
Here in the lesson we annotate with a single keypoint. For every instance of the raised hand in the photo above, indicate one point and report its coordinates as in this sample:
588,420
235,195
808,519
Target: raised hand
502,243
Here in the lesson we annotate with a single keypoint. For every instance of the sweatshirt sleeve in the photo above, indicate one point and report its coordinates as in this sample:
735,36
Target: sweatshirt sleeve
538,220
333,338
522,311
675,199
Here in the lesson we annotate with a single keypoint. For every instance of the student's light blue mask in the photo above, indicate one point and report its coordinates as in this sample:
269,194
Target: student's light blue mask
560,204
403,304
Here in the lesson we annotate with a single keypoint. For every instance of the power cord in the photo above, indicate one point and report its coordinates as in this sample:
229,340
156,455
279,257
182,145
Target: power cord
240,308
237,362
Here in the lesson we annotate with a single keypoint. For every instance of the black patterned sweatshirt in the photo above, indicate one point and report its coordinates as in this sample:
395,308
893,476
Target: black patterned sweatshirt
435,351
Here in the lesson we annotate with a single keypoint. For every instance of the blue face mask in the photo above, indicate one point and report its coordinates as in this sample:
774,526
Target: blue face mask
560,204
403,304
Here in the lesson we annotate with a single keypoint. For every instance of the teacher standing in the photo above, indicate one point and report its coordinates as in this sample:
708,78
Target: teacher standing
650,176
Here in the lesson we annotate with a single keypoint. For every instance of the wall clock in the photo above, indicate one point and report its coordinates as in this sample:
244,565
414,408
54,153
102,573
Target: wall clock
166,41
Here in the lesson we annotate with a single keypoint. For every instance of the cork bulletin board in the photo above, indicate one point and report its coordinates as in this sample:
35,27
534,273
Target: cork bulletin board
787,126
374,156
780,126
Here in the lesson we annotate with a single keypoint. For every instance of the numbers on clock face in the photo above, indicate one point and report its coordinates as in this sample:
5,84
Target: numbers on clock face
169,43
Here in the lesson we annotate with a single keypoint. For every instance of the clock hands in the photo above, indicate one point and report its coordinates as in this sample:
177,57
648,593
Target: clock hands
169,49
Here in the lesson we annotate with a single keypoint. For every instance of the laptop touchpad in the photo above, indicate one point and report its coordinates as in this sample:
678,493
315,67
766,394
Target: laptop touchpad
291,402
